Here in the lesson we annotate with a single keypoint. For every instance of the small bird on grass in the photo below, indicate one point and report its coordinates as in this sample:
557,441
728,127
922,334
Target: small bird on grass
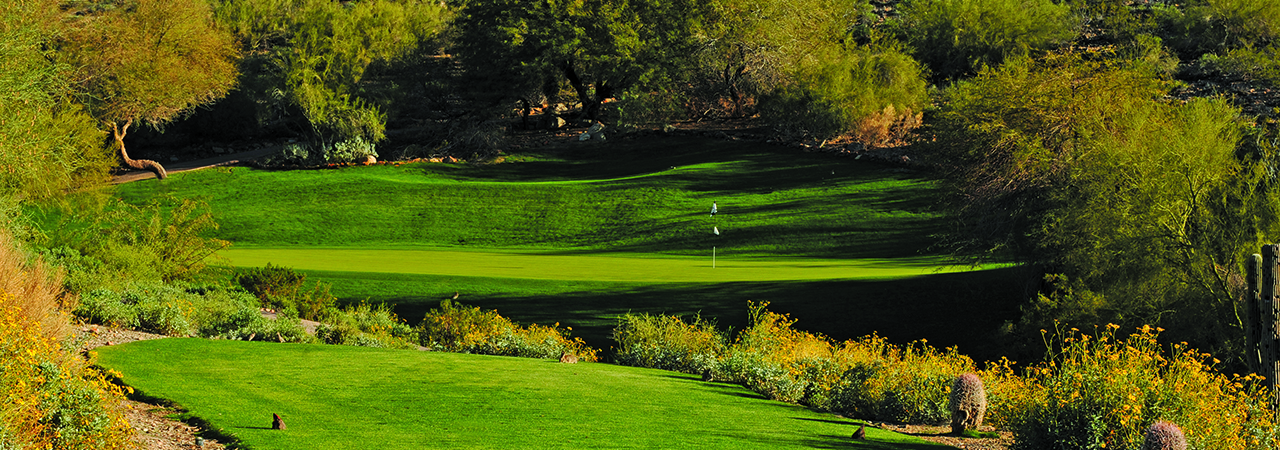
713,209
861,433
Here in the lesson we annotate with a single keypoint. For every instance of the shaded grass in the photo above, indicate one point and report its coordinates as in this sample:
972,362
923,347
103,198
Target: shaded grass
338,397
958,309
650,196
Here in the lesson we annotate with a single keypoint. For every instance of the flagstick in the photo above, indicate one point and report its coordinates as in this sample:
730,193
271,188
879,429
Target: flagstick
713,257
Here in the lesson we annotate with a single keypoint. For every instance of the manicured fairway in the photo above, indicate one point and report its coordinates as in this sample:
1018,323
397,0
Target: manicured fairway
617,267
650,197
337,397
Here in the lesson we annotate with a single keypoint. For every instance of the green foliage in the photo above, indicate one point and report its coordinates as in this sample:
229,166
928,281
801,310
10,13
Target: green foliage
47,144
148,62
458,328
845,91
103,242
525,50
957,38
1216,26
187,310
668,343
1097,169
316,57
367,325
281,289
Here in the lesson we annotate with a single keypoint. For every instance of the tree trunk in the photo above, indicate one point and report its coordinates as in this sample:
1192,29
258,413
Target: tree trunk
590,106
140,164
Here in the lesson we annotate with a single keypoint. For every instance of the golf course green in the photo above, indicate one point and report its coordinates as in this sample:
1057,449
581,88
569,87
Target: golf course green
600,267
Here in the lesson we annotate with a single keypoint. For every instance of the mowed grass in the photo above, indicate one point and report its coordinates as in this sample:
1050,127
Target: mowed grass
645,196
337,397
720,267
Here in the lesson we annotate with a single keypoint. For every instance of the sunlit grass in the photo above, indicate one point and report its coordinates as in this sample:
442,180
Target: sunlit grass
337,397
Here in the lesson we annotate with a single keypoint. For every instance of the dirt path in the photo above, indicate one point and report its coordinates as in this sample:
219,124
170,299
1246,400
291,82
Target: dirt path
155,428
185,166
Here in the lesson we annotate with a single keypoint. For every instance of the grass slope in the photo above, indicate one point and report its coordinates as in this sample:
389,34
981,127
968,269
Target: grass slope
650,196
337,397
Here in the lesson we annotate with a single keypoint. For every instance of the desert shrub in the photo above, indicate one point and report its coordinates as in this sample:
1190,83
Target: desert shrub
459,328
865,89
1215,26
1100,390
908,384
669,343
176,310
957,38
51,398
367,325
867,377
106,242
1261,64
282,289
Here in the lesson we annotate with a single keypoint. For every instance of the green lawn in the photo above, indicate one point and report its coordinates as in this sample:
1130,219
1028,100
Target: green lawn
583,267
652,196
337,397
581,234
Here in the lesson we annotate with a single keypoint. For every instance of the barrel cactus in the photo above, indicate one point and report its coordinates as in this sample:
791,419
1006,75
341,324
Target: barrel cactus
968,403
1164,436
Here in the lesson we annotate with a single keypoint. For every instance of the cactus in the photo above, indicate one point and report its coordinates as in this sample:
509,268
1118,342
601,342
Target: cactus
968,403
1164,436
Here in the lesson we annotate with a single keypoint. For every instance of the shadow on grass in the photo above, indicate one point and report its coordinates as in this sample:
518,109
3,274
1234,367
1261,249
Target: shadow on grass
965,310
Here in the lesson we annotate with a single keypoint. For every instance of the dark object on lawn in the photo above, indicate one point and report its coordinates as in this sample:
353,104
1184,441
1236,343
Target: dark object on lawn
861,433
968,403
568,358
276,422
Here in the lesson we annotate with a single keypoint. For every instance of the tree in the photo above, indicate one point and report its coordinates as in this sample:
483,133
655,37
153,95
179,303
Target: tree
315,56
47,144
956,38
146,61
1138,209
600,48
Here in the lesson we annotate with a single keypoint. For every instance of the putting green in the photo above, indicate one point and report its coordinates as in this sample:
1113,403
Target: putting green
594,267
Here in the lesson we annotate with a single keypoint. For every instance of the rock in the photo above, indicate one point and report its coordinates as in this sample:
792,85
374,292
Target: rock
219,150
585,136
596,128
568,358
276,422
370,160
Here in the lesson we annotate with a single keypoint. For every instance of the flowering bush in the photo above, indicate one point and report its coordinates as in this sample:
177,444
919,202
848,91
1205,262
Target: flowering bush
367,325
668,342
1097,391
49,398
458,328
